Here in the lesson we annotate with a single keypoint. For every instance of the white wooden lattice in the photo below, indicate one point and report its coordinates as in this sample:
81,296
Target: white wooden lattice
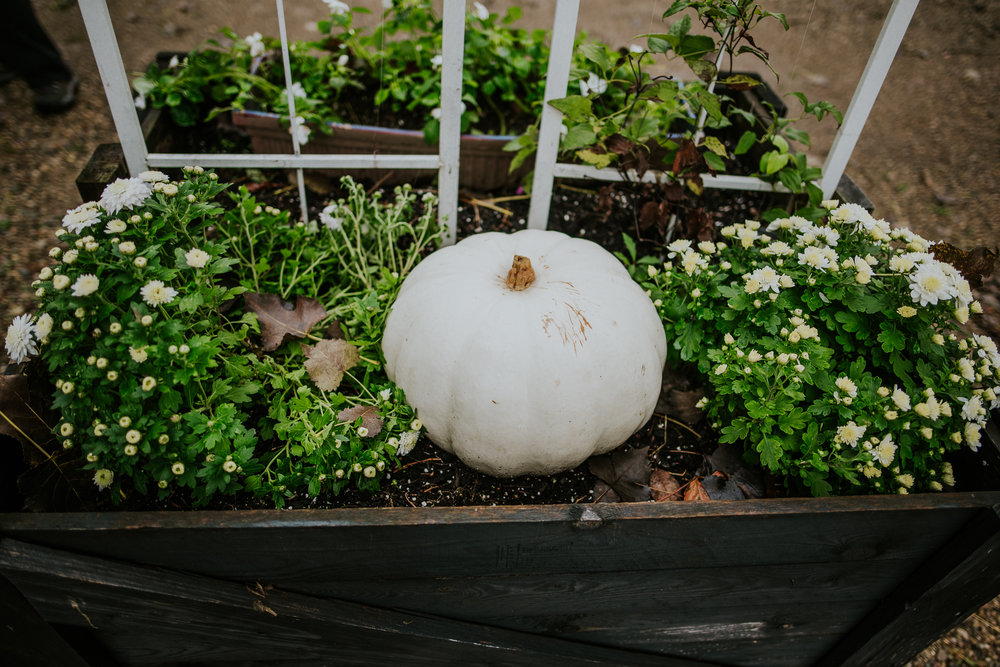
564,29
138,158
104,44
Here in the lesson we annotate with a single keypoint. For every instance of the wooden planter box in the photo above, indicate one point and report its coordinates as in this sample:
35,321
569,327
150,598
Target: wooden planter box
860,581
483,166
867,580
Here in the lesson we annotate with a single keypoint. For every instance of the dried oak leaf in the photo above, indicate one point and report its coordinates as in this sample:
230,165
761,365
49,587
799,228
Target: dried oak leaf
369,418
663,486
695,491
974,265
279,319
327,361
625,470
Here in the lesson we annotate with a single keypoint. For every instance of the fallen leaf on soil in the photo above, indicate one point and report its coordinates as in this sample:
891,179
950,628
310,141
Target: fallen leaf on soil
727,460
278,319
695,491
369,418
663,486
719,486
328,360
974,265
604,493
625,470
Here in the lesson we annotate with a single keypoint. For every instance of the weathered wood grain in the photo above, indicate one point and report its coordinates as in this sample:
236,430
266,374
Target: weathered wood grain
948,586
26,639
151,615
411,543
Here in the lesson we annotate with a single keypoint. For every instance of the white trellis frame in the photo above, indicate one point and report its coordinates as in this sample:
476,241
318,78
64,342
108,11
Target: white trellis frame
104,43
563,32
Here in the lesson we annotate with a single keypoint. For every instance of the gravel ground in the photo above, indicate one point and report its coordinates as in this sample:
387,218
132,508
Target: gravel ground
928,156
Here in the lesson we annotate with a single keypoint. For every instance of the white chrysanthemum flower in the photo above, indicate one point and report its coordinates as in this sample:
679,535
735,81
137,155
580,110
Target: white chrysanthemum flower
298,91
153,177
86,285
177,468
850,213
20,340
850,433
155,293
126,248
81,217
480,10
885,451
329,220
256,44
407,441
973,436
929,284
148,383
864,271
115,226
300,130
678,246
906,479
169,189
754,356
196,258
972,409
779,248
828,234
815,257
337,7
767,278
103,478
593,84
706,247
229,466
43,326
846,385
124,193
967,369
900,398
138,354
133,436
906,311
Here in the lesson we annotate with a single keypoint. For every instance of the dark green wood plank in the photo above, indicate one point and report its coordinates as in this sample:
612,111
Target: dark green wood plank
454,541
664,593
950,585
26,639
150,615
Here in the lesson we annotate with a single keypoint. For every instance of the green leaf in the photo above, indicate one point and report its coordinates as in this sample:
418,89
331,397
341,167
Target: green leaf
747,140
629,246
597,54
770,450
892,338
780,143
576,108
579,136
772,162
599,160
713,144
715,162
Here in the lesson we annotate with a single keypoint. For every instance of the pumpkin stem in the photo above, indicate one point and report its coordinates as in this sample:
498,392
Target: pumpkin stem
521,275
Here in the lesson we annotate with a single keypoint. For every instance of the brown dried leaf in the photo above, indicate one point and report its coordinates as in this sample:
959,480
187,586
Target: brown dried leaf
279,319
369,418
695,491
974,265
327,361
663,486
625,470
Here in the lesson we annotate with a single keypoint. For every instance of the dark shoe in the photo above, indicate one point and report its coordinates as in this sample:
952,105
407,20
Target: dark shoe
56,96
6,75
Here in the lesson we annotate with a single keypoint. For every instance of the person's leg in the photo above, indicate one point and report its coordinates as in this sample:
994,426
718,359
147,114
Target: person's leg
26,49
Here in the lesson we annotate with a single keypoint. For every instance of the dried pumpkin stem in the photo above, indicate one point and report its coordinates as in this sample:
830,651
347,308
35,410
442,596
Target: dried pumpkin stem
521,275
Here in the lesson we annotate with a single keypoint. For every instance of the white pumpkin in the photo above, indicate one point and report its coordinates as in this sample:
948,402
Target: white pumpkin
525,353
